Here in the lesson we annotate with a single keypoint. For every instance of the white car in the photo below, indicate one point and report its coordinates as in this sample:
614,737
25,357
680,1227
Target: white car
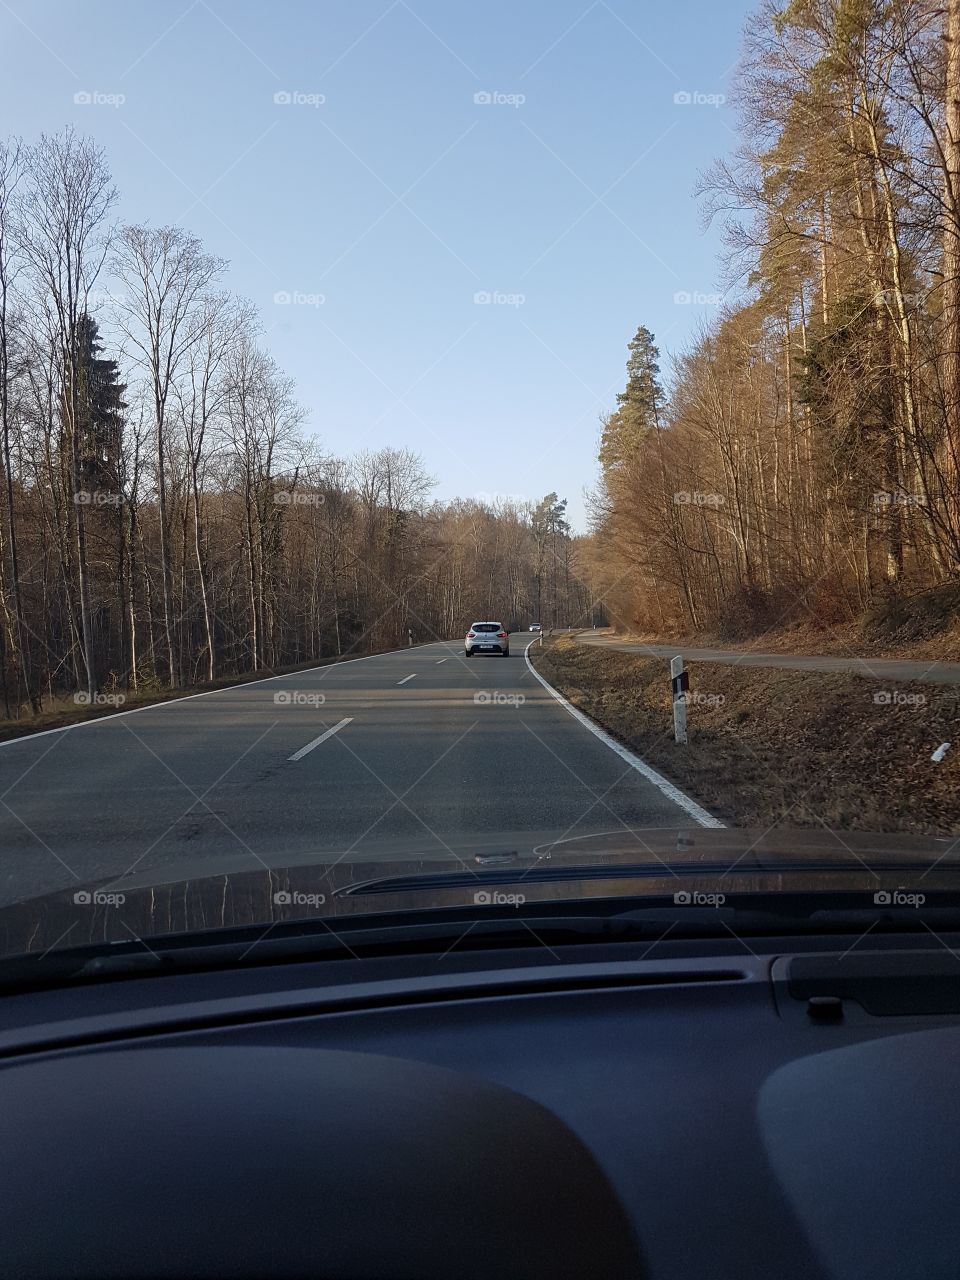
487,637
535,626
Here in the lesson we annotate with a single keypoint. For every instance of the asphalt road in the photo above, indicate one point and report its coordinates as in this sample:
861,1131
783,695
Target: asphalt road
927,670
416,753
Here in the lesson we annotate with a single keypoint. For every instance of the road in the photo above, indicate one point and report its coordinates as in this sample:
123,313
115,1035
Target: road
924,669
415,753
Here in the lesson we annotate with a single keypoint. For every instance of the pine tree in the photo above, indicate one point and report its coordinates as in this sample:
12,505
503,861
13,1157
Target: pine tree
549,523
638,406
101,406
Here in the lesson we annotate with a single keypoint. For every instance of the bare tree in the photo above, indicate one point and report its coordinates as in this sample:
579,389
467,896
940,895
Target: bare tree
11,263
202,396
67,199
166,275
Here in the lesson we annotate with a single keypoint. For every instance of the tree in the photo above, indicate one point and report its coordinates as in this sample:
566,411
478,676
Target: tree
951,264
100,410
166,274
549,524
11,264
638,405
67,199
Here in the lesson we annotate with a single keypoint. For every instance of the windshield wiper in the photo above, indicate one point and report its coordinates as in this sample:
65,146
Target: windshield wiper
356,937
471,928
551,873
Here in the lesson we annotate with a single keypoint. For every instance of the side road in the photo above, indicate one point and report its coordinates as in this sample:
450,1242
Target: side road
927,670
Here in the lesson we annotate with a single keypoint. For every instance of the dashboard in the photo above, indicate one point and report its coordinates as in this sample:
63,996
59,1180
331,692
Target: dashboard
787,1108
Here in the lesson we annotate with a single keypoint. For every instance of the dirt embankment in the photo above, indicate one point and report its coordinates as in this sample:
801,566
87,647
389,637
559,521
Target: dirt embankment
769,746
926,625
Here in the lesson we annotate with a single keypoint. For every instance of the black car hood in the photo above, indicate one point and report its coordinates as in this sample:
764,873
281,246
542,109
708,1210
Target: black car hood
626,865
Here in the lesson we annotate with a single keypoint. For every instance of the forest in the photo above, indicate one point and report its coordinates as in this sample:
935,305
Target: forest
801,462
167,520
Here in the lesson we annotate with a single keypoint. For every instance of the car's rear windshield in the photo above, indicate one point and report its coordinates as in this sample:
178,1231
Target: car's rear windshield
486,626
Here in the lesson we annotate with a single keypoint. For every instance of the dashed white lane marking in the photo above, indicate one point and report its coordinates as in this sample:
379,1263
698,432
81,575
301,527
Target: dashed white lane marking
406,678
298,755
439,660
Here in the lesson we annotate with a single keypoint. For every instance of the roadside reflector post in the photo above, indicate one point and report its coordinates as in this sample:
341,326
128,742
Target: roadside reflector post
680,683
409,637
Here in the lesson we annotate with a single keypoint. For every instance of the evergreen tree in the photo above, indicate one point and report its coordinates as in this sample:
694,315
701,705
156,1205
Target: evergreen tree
101,406
638,406
549,523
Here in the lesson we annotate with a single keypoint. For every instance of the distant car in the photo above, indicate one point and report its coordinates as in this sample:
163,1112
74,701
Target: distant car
535,626
487,637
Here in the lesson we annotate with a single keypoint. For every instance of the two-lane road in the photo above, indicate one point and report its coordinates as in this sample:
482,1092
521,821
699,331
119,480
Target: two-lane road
415,753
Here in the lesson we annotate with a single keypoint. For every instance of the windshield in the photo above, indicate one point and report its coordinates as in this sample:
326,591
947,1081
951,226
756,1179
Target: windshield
325,329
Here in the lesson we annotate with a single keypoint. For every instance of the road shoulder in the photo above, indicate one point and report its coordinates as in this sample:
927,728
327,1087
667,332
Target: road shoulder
771,746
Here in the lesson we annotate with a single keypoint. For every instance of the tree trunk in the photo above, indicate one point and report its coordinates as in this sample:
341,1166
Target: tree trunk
950,370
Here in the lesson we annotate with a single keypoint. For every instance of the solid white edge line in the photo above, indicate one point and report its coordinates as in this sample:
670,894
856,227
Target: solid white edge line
406,678
188,697
689,806
298,755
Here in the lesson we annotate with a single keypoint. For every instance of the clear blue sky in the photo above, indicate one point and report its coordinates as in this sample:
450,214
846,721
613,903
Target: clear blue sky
398,198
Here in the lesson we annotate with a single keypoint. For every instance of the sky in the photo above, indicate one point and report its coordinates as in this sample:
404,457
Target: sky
452,216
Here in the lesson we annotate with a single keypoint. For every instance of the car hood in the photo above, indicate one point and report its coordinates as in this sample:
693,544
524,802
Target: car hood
614,864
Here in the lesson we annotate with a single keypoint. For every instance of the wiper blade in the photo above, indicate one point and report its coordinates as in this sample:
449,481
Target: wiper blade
551,873
471,928
358,937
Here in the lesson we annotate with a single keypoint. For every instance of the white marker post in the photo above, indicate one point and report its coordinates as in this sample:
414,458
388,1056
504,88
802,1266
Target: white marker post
680,683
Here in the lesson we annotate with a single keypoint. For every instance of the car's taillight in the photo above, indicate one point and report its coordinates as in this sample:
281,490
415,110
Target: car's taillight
470,635
501,635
